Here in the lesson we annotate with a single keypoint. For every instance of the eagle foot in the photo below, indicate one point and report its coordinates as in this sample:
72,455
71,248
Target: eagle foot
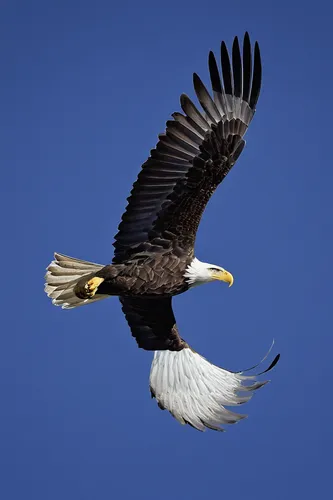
89,289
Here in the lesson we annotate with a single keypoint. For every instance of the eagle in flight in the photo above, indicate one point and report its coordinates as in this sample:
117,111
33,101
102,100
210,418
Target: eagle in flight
154,257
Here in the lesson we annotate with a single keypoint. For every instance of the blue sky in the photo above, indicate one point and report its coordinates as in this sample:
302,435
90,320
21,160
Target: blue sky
86,88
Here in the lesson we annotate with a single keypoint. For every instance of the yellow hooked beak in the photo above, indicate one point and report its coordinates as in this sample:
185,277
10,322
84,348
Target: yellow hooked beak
224,276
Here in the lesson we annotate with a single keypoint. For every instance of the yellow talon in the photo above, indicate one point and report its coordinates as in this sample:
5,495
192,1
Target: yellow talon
92,285
86,290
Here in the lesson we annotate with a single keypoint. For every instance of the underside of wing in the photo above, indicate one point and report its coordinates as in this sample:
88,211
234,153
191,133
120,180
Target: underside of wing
193,156
152,323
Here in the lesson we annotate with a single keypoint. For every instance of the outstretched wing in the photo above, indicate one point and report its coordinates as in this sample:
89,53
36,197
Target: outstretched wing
192,157
152,323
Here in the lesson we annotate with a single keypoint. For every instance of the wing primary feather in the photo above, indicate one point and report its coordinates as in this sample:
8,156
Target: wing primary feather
195,126
171,151
169,156
192,112
256,83
218,90
185,131
214,73
237,68
273,363
168,142
247,67
174,164
205,100
189,125
226,69
183,140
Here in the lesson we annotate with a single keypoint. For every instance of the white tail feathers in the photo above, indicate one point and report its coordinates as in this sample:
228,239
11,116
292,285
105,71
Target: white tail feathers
196,392
62,275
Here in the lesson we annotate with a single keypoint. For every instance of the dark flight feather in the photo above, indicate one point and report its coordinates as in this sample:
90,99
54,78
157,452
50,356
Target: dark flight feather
247,67
256,82
237,69
226,69
154,328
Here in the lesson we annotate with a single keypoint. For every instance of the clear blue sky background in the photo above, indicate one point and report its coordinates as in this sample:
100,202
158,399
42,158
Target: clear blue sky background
86,88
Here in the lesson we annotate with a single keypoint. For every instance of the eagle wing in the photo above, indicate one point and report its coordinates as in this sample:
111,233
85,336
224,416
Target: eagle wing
152,323
192,157
192,389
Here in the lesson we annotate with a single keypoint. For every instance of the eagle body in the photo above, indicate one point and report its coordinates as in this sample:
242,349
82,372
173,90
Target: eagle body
154,258
148,277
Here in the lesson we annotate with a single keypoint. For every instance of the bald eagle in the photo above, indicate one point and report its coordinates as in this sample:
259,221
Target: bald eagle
154,256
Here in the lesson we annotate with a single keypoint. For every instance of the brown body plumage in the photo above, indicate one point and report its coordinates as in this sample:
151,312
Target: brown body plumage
150,277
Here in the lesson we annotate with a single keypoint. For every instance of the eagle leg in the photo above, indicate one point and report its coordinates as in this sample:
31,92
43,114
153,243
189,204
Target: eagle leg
87,289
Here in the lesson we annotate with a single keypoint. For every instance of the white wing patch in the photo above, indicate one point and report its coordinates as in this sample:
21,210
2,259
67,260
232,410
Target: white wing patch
195,391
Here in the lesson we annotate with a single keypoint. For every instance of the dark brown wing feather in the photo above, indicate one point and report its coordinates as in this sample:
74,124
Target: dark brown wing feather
152,323
193,156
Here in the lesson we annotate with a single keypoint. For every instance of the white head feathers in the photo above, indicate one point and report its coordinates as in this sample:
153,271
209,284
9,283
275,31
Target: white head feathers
198,273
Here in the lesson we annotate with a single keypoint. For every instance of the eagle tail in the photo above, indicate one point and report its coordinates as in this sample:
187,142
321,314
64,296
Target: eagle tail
196,392
63,273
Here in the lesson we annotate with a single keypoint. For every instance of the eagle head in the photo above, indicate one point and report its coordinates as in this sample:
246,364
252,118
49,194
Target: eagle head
198,273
